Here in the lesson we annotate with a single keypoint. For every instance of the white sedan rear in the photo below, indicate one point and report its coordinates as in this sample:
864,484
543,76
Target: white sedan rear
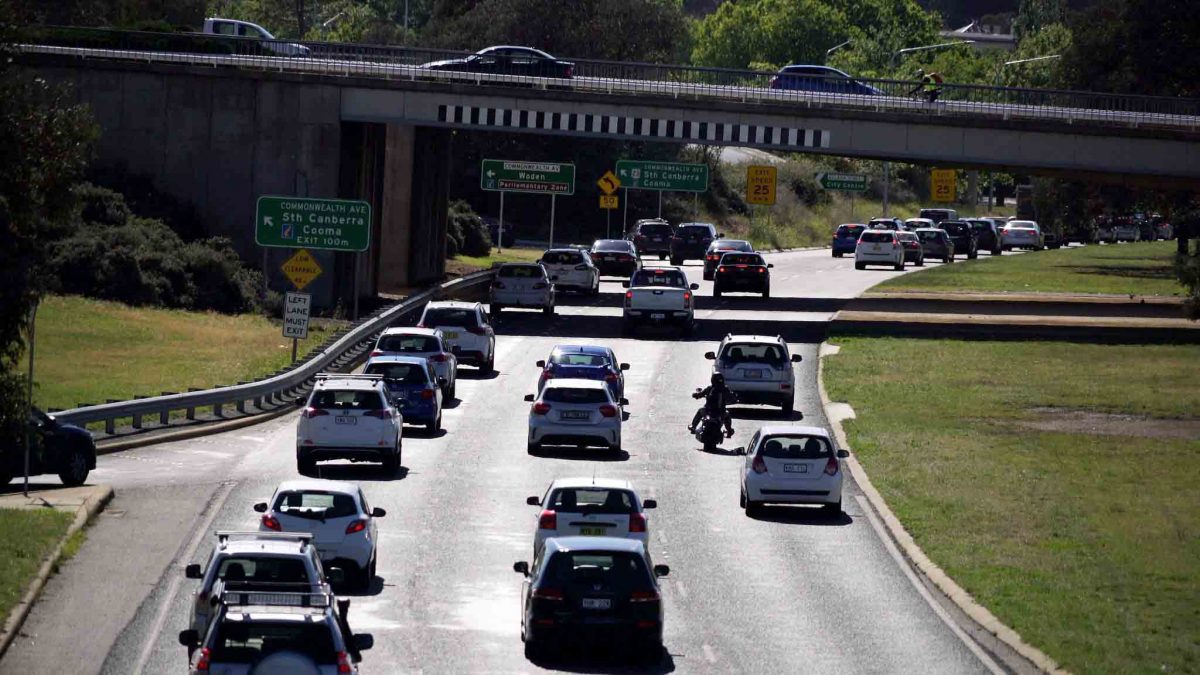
591,507
574,412
792,465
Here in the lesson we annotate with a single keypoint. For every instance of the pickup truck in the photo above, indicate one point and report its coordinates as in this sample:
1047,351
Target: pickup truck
658,296
253,31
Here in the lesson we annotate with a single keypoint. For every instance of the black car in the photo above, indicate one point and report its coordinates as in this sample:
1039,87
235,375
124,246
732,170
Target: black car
691,240
586,589
963,236
652,236
55,447
987,235
913,251
616,257
717,249
742,273
508,60
936,243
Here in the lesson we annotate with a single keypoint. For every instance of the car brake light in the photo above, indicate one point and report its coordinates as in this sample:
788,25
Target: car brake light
271,523
608,410
611,377
548,594
762,270
687,299
721,269
831,466
427,394
311,412
383,414
628,298
644,596
356,526
548,520
202,662
570,71
758,464
438,358
895,245
376,353
541,408
657,272
637,522
343,663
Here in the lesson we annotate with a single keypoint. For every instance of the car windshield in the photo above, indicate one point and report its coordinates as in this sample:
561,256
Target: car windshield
659,277
655,230
449,316
731,245
562,258
346,399
883,224
739,352
399,373
929,235
796,446
850,230
741,259
408,344
582,571
691,231
591,500
955,228
572,395
613,246
252,641
577,359
980,225
522,271
315,504
263,569
877,237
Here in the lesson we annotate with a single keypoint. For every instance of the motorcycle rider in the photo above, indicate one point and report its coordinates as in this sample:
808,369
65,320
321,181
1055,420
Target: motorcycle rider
716,397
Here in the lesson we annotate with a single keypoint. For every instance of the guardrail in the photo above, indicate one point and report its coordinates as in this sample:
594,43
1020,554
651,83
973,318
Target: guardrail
612,77
277,389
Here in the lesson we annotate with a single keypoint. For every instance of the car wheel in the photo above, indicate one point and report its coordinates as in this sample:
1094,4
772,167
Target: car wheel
716,291
677,261
788,404
689,327
742,498
490,366
533,448
306,467
533,650
75,471
860,266
496,309
767,291
900,266
615,449
5,478
836,254
649,653
972,255
832,510
391,462
452,392
709,446
434,426
548,310
948,259
920,262
753,508
995,251
662,256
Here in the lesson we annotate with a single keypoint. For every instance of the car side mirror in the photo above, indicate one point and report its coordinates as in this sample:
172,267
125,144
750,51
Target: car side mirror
624,284
193,571
770,265
650,504
188,638
661,570
378,512
720,235
300,402
625,416
261,507
540,364
521,567
363,641
529,398
740,450
624,366
624,401
533,500
796,358
711,356
843,454
695,287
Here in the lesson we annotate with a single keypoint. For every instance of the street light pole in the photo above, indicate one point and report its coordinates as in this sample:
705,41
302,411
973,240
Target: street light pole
1018,61
29,391
829,52
909,50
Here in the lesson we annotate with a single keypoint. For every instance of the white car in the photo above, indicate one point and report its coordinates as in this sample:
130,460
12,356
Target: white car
428,343
914,224
1021,234
258,561
349,417
757,369
336,514
591,507
253,31
1126,229
574,411
878,247
466,329
793,465
572,269
521,285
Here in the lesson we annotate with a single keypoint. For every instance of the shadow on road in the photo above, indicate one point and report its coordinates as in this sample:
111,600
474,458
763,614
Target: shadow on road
357,472
414,431
18,485
597,660
745,303
765,414
801,515
706,330
477,374
583,454
376,588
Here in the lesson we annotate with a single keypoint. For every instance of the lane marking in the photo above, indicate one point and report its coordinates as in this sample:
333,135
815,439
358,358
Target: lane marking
682,591
709,654
983,656
160,618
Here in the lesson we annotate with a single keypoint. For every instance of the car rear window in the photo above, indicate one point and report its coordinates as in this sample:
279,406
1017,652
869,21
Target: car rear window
408,344
906,236
850,230
883,224
732,245
659,277
571,395
522,271
591,500
583,570
613,246
251,641
562,258
404,373
955,228
741,259
690,231
877,237
315,504
346,399
654,229
752,353
263,569
576,359
796,447
449,316
929,236
980,225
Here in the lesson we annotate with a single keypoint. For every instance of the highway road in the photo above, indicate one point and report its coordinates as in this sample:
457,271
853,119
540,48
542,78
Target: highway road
788,592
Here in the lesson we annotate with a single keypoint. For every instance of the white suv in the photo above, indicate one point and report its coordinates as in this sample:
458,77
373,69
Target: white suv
878,247
574,411
758,369
591,507
466,329
349,417
573,269
424,342
521,285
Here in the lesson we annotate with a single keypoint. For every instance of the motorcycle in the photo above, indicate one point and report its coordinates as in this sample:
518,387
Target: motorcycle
710,431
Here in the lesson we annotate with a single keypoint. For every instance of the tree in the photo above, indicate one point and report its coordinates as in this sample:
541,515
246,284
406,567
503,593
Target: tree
1034,15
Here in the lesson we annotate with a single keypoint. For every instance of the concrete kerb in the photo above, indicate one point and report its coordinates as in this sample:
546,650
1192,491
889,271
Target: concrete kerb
92,505
960,598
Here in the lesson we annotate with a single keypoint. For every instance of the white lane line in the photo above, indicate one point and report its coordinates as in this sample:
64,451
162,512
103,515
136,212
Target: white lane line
709,653
160,618
924,592
682,591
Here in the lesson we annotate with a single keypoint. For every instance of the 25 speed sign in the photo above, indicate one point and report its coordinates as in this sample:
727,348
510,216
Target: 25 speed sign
760,185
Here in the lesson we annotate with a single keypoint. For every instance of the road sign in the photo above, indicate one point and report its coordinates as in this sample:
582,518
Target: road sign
609,201
300,222
296,308
843,182
552,178
609,183
301,269
760,184
943,185
665,176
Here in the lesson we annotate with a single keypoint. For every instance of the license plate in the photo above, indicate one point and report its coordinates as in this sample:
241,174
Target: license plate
592,531
753,374
574,415
876,247
597,603
658,315
451,335
345,419
795,468
657,239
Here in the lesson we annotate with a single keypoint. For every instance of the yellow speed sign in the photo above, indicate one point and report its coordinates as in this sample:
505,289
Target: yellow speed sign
608,201
943,185
760,184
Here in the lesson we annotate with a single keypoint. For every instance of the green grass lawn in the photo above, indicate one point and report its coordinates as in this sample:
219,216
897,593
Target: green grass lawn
1123,269
506,255
26,538
90,350
991,454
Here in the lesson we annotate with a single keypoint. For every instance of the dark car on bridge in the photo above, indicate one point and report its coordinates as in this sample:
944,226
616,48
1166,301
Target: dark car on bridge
821,79
963,236
936,243
845,238
616,257
987,234
55,447
691,240
652,236
742,273
508,60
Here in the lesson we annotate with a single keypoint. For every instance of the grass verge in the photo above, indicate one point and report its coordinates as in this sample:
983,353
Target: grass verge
464,264
1060,494
1123,269
26,538
92,350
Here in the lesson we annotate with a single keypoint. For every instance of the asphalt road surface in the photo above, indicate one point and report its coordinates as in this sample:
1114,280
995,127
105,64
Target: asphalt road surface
788,592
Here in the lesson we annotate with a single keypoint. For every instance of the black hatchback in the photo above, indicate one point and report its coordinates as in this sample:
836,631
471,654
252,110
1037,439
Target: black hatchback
55,447
742,273
652,237
963,236
987,235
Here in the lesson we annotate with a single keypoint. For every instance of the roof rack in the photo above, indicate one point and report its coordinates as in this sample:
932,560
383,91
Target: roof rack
347,376
234,598
224,536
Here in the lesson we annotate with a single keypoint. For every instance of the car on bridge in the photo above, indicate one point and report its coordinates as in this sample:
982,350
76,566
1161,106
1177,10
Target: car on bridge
878,247
913,251
590,362
348,417
424,342
572,269
757,369
616,257
652,236
253,31
415,389
935,243
573,411
987,233
719,248
963,236
742,273
820,79
591,507
845,238
691,241
508,60
466,329
792,465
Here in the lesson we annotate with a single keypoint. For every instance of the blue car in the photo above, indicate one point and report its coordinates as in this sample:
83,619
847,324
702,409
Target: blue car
822,79
414,387
845,238
589,362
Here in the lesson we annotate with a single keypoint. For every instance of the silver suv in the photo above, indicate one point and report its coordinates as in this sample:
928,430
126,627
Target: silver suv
758,369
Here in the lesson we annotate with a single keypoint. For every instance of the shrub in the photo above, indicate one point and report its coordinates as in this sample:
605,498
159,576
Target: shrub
466,232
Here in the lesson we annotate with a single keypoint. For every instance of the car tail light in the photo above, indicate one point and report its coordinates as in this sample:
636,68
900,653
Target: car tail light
721,269
628,298
762,270
644,596
498,284
271,523
343,661
637,522
376,353
541,408
611,377
758,464
687,299
895,245
714,257
382,414
570,71
311,412
356,526
438,358
202,662
831,466
427,394
549,594
608,410
548,520
476,330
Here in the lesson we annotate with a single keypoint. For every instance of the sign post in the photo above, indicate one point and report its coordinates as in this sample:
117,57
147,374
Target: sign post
552,178
943,184
296,309
500,227
844,182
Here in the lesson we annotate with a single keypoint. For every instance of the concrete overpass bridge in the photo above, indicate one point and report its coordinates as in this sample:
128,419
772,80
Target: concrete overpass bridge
217,130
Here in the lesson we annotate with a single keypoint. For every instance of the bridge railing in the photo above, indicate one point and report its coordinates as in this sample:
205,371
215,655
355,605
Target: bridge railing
624,78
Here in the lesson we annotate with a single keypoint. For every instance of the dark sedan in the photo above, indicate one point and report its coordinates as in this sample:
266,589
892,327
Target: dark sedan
987,234
742,273
718,248
821,79
64,449
690,241
616,257
913,251
963,237
936,243
506,60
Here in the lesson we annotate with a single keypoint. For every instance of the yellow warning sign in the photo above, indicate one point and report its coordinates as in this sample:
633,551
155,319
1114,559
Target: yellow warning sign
943,185
609,201
609,183
760,184
301,269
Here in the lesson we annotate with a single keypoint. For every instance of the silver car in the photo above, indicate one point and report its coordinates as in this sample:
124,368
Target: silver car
757,369
525,285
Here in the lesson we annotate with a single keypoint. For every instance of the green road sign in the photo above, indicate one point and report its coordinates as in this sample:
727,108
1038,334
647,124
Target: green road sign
325,224
844,182
666,176
552,178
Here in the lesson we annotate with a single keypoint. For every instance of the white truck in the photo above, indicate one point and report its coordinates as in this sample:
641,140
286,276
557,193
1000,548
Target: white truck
253,31
658,296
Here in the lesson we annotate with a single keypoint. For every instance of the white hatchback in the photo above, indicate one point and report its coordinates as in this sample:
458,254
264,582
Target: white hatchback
878,247
572,269
525,285
424,342
576,412
349,417
757,369
793,465
591,507
466,329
